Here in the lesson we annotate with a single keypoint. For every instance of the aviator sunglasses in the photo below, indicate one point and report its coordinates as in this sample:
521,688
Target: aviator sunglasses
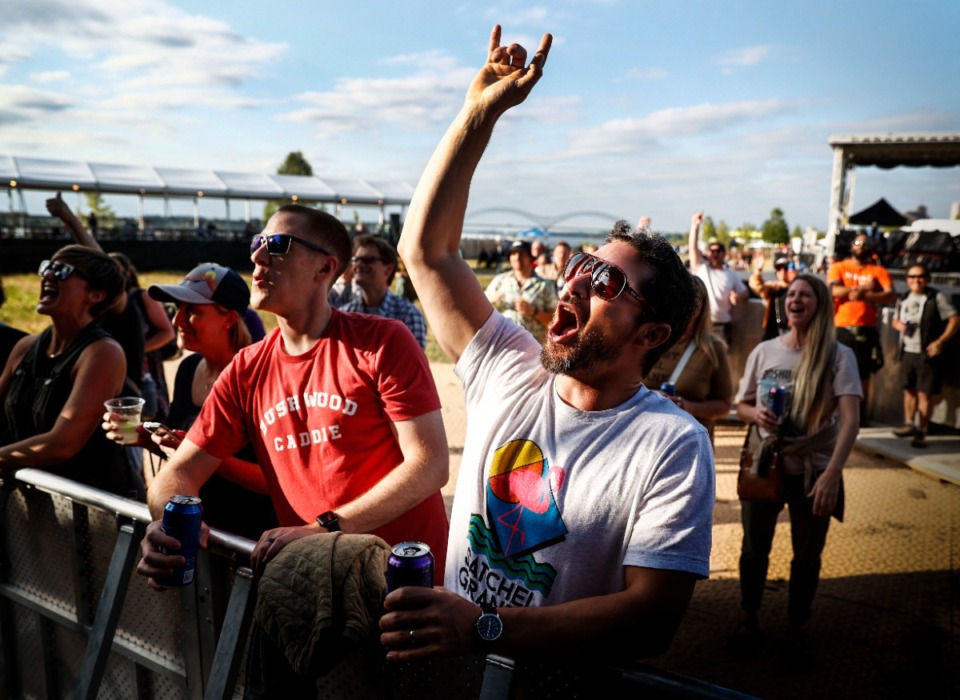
607,281
60,270
279,243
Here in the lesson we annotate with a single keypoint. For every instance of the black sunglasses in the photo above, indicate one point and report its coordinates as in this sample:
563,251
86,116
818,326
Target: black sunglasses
366,259
60,270
607,281
279,243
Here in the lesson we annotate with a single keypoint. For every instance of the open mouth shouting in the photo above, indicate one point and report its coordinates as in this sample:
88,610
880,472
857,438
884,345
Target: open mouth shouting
566,323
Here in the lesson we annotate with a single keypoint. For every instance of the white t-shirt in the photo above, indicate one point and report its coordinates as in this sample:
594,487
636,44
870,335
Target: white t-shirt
772,364
719,285
553,502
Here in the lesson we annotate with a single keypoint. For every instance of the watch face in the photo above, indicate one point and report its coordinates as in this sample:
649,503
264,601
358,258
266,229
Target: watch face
489,627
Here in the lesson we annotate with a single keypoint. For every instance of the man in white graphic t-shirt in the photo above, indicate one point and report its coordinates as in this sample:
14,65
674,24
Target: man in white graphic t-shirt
582,515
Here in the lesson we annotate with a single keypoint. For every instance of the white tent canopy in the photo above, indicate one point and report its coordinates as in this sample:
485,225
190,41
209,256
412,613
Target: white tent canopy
108,178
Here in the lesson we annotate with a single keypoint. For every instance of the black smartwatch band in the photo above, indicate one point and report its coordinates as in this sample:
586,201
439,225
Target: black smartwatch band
330,521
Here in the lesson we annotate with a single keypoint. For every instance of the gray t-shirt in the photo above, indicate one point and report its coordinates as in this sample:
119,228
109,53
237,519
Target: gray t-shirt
552,502
911,311
772,364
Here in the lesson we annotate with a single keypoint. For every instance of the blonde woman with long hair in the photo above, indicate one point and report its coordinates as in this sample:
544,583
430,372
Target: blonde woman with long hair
817,430
703,386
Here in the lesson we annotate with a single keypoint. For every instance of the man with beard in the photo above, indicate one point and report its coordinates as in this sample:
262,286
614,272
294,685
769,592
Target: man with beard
582,516
859,286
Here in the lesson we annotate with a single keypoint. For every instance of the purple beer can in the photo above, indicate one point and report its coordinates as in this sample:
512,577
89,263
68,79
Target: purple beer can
181,520
777,400
669,389
409,564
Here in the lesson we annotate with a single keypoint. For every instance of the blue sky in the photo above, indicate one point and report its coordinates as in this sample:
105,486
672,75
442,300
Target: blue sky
650,108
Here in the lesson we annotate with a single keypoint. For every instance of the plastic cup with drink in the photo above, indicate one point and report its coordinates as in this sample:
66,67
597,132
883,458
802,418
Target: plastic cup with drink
128,409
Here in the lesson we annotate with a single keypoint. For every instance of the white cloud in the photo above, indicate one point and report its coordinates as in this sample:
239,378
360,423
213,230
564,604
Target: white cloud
50,76
627,135
744,57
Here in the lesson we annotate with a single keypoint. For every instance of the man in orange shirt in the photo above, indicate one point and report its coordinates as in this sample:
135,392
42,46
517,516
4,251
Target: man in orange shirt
859,286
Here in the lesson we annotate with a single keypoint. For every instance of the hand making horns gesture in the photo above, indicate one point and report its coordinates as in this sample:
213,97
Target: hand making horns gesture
506,80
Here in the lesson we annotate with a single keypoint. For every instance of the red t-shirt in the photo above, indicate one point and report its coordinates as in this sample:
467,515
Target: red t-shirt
319,423
856,313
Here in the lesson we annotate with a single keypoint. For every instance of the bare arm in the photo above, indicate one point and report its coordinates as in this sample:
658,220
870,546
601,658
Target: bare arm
184,473
97,376
423,472
163,331
936,346
452,298
694,241
58,208
638,621
827,487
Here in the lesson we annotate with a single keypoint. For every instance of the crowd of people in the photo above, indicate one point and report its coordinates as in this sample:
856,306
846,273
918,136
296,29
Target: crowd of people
593,381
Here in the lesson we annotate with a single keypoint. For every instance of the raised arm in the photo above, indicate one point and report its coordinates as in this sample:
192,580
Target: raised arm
694,241
58,208
451,296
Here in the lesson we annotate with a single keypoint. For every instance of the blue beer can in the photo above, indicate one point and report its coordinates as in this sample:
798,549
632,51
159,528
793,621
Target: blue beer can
409,564
669,388
777,400
181,520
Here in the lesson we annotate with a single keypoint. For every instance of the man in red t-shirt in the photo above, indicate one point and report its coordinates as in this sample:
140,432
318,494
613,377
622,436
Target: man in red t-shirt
341,409
859,286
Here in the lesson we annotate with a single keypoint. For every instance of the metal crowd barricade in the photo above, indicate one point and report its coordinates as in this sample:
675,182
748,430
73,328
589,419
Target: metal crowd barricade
75,620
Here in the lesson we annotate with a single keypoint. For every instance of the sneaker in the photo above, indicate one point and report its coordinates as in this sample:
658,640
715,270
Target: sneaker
919,439
905,430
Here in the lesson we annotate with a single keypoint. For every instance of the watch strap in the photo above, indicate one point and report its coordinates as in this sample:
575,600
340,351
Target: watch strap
329,521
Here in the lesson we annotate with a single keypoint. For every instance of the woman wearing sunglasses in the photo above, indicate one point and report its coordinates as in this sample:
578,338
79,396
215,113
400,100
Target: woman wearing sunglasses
211,301
816,428
54,383
696,365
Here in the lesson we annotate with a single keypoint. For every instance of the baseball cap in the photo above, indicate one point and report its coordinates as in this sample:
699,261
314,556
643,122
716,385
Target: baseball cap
208,283
780,262
521,246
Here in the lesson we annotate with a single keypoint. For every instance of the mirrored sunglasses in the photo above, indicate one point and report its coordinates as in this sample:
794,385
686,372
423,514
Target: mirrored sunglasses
60,270
279,243
607,281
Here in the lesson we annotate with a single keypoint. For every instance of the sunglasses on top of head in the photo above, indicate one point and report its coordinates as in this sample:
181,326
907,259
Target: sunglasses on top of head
60,270
607,281
279,243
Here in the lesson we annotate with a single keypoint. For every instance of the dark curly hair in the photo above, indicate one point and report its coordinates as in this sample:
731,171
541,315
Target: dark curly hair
668,288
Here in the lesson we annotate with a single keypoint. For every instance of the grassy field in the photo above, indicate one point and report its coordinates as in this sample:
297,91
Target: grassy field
22,292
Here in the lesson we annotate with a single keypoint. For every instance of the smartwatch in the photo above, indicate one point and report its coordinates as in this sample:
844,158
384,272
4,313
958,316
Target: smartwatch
330,521
489,625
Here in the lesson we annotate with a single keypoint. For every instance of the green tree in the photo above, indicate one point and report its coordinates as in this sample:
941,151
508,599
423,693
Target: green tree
775,229
708,229
106,217
293,164
723,232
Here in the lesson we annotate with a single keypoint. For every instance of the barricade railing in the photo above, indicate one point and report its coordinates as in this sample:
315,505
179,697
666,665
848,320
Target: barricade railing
76,621
73,626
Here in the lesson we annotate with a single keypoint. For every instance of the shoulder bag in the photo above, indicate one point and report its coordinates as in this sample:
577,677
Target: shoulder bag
761,469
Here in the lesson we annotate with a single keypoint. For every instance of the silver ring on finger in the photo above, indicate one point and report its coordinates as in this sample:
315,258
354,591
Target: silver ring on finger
413,636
